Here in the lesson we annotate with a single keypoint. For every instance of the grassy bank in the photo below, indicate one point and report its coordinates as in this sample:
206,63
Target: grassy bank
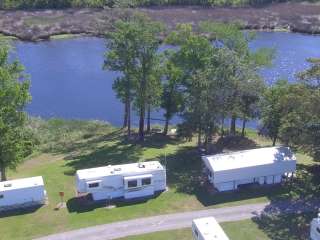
65,146
6,38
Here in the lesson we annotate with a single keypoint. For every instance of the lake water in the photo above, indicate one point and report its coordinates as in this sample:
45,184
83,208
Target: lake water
67,80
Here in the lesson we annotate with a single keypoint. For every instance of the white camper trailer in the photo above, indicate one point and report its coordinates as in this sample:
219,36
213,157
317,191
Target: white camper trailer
207,229
22,192
315,228
263,166
129,181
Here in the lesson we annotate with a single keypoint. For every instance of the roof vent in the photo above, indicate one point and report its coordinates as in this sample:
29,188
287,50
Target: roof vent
140,165
8,185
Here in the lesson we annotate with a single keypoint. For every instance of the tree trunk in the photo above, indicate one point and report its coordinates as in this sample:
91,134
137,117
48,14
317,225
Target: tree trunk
243,127
125,118
141,124
148,119
166,126
199,136
274,141
233,125
3,174
129,119
222,127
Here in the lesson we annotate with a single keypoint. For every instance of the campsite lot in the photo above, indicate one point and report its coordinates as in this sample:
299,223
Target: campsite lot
70,145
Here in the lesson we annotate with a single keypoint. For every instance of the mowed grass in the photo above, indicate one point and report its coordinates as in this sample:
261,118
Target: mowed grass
66,146
241,230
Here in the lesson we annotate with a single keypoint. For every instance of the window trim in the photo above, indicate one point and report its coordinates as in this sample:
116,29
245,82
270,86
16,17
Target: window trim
149,181
94,184
133,180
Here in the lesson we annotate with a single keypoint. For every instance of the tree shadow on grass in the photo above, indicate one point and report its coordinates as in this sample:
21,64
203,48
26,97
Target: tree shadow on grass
103,156
235,143
285,226
112,149
288,216
87,143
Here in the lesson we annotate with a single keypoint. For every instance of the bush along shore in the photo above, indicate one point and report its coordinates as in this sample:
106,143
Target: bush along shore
37,25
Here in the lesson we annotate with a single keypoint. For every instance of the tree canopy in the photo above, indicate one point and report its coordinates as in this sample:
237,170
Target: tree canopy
15,142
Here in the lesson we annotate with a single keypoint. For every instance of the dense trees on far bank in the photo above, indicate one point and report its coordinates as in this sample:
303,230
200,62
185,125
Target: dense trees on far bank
15,140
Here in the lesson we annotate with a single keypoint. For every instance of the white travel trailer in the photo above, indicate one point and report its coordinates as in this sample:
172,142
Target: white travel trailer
22,192
126,181
207,229
315,228
263,166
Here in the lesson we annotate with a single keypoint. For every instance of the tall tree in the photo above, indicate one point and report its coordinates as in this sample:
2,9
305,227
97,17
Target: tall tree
232,37
121,57
272,108
195,58
146,64
310,139
154,93
14,95
171,99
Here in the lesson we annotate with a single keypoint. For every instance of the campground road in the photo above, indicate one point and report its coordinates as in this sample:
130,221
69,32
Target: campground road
180,220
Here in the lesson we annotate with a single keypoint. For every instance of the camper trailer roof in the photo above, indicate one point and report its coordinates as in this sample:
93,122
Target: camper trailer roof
142,167
249,158
21,183
210,229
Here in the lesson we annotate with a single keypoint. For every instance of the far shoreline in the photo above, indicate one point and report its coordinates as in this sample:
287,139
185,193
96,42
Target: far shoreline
38,25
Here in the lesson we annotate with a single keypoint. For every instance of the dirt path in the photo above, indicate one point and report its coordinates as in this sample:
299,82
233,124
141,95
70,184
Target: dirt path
181,220
40,25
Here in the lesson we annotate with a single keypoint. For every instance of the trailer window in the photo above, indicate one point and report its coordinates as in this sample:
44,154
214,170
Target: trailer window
318,230
146,181
132,183
1,196
93,185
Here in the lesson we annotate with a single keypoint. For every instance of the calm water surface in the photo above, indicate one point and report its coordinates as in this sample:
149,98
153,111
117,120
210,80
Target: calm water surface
67,79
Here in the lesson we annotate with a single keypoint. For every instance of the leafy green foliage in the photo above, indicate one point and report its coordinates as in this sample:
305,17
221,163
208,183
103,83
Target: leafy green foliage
242,86
133,50
16,142
311,76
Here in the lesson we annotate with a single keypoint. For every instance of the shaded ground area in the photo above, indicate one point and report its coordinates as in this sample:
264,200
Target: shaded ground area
36,25
70,145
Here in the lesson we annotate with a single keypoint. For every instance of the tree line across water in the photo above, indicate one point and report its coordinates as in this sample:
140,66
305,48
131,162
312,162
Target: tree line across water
58,4
209,76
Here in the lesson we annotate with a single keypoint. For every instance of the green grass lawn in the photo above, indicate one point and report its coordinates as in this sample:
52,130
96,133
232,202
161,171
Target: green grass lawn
241,230
70,145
